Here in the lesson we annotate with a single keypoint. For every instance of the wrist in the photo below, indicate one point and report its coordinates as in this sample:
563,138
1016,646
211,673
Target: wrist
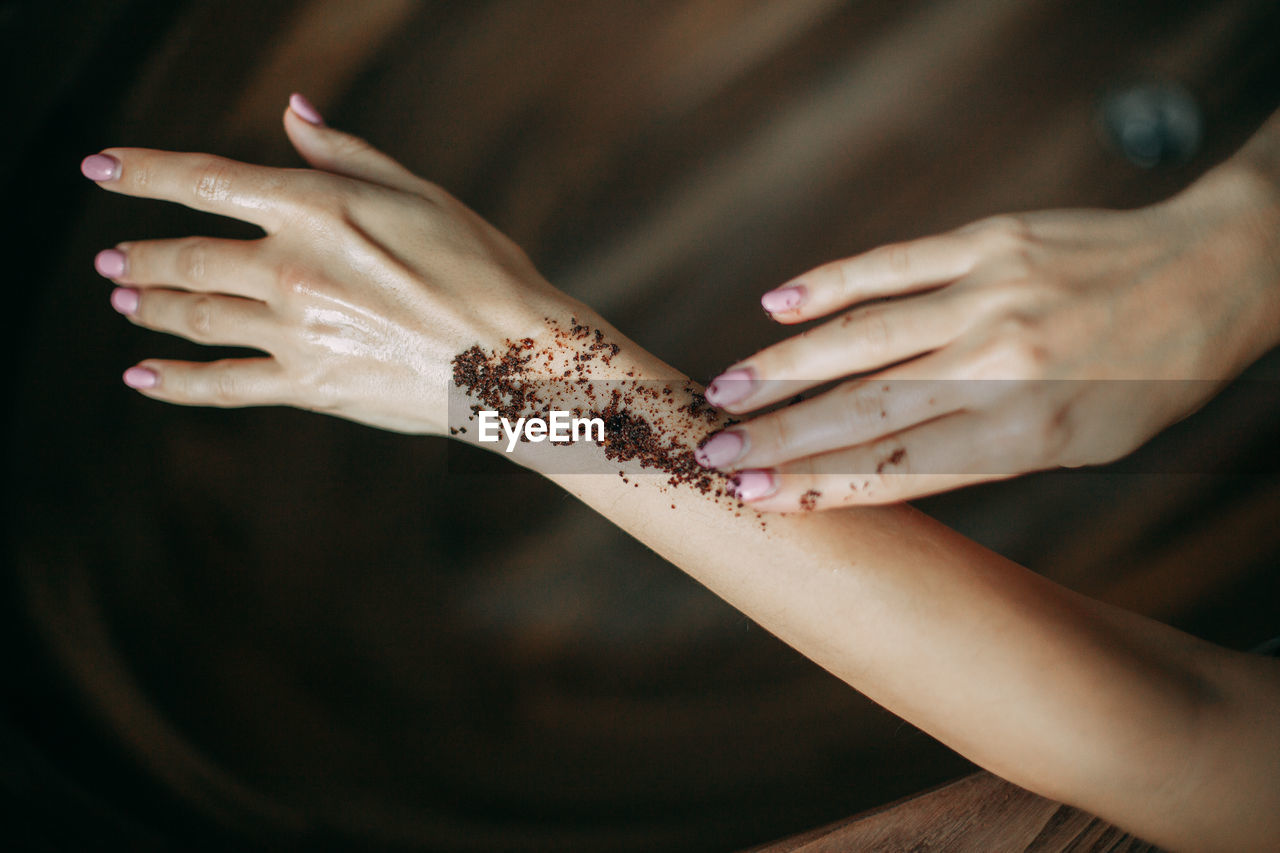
641,420
1233,214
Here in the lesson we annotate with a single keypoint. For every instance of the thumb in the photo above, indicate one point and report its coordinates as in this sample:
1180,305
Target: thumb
341,153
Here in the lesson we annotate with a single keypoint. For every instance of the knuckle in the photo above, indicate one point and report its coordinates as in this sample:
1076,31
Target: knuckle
843,273
771,435
224,389
1025,359
295,279
192,261
331,396
1038,429
1012,239
1021,352
1055,433
321,390
1005,229
213,181
897,257
872,327
200,318
859,407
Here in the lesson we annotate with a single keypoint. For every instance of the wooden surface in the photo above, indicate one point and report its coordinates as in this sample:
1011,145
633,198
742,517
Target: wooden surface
978,814
267,628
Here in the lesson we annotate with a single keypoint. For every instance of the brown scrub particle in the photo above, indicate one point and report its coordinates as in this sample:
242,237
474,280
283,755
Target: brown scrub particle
894,458
809,500
508,382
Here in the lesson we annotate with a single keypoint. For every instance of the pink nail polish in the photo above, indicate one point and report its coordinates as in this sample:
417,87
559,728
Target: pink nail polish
731,387
753,484
141,377
720,449
305,109
109,263
124,300
783,299
100,167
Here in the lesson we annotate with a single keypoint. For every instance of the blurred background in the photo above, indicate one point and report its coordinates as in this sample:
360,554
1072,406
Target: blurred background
264,628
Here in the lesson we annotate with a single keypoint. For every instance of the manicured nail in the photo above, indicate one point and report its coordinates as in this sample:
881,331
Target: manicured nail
753,484
783,299
720,449
141,377
109,263
305,109
730,387
124,300
100,167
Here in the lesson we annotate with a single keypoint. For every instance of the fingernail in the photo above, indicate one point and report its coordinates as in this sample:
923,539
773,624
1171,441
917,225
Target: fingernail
783,299
124,300
720,449
141,377
753,484
109,263
730,387
305,109
100,167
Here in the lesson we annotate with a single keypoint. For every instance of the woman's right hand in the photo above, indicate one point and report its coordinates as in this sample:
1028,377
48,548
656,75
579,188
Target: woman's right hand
1016,344
368,281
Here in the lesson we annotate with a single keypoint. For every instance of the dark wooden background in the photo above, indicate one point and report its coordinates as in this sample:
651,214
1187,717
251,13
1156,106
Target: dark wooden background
226,629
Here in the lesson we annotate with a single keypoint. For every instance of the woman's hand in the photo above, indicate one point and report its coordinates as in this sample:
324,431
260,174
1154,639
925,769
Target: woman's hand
1073,306
368,281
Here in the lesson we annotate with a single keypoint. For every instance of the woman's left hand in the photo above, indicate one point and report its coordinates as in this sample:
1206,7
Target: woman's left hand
368,281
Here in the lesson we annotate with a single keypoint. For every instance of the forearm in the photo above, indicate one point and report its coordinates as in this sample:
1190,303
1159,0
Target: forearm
361,296
1068,697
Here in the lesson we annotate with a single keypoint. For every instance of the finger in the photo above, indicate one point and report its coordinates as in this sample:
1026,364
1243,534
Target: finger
258,194
227,383
895,269
341,153
191,263
853,413
863,339
947,453
200,317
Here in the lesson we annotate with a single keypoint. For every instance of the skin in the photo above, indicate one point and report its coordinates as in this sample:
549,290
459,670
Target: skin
369,281
1015,344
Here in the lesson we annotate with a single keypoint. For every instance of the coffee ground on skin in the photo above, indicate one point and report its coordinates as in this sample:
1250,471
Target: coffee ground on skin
515,381
895,459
